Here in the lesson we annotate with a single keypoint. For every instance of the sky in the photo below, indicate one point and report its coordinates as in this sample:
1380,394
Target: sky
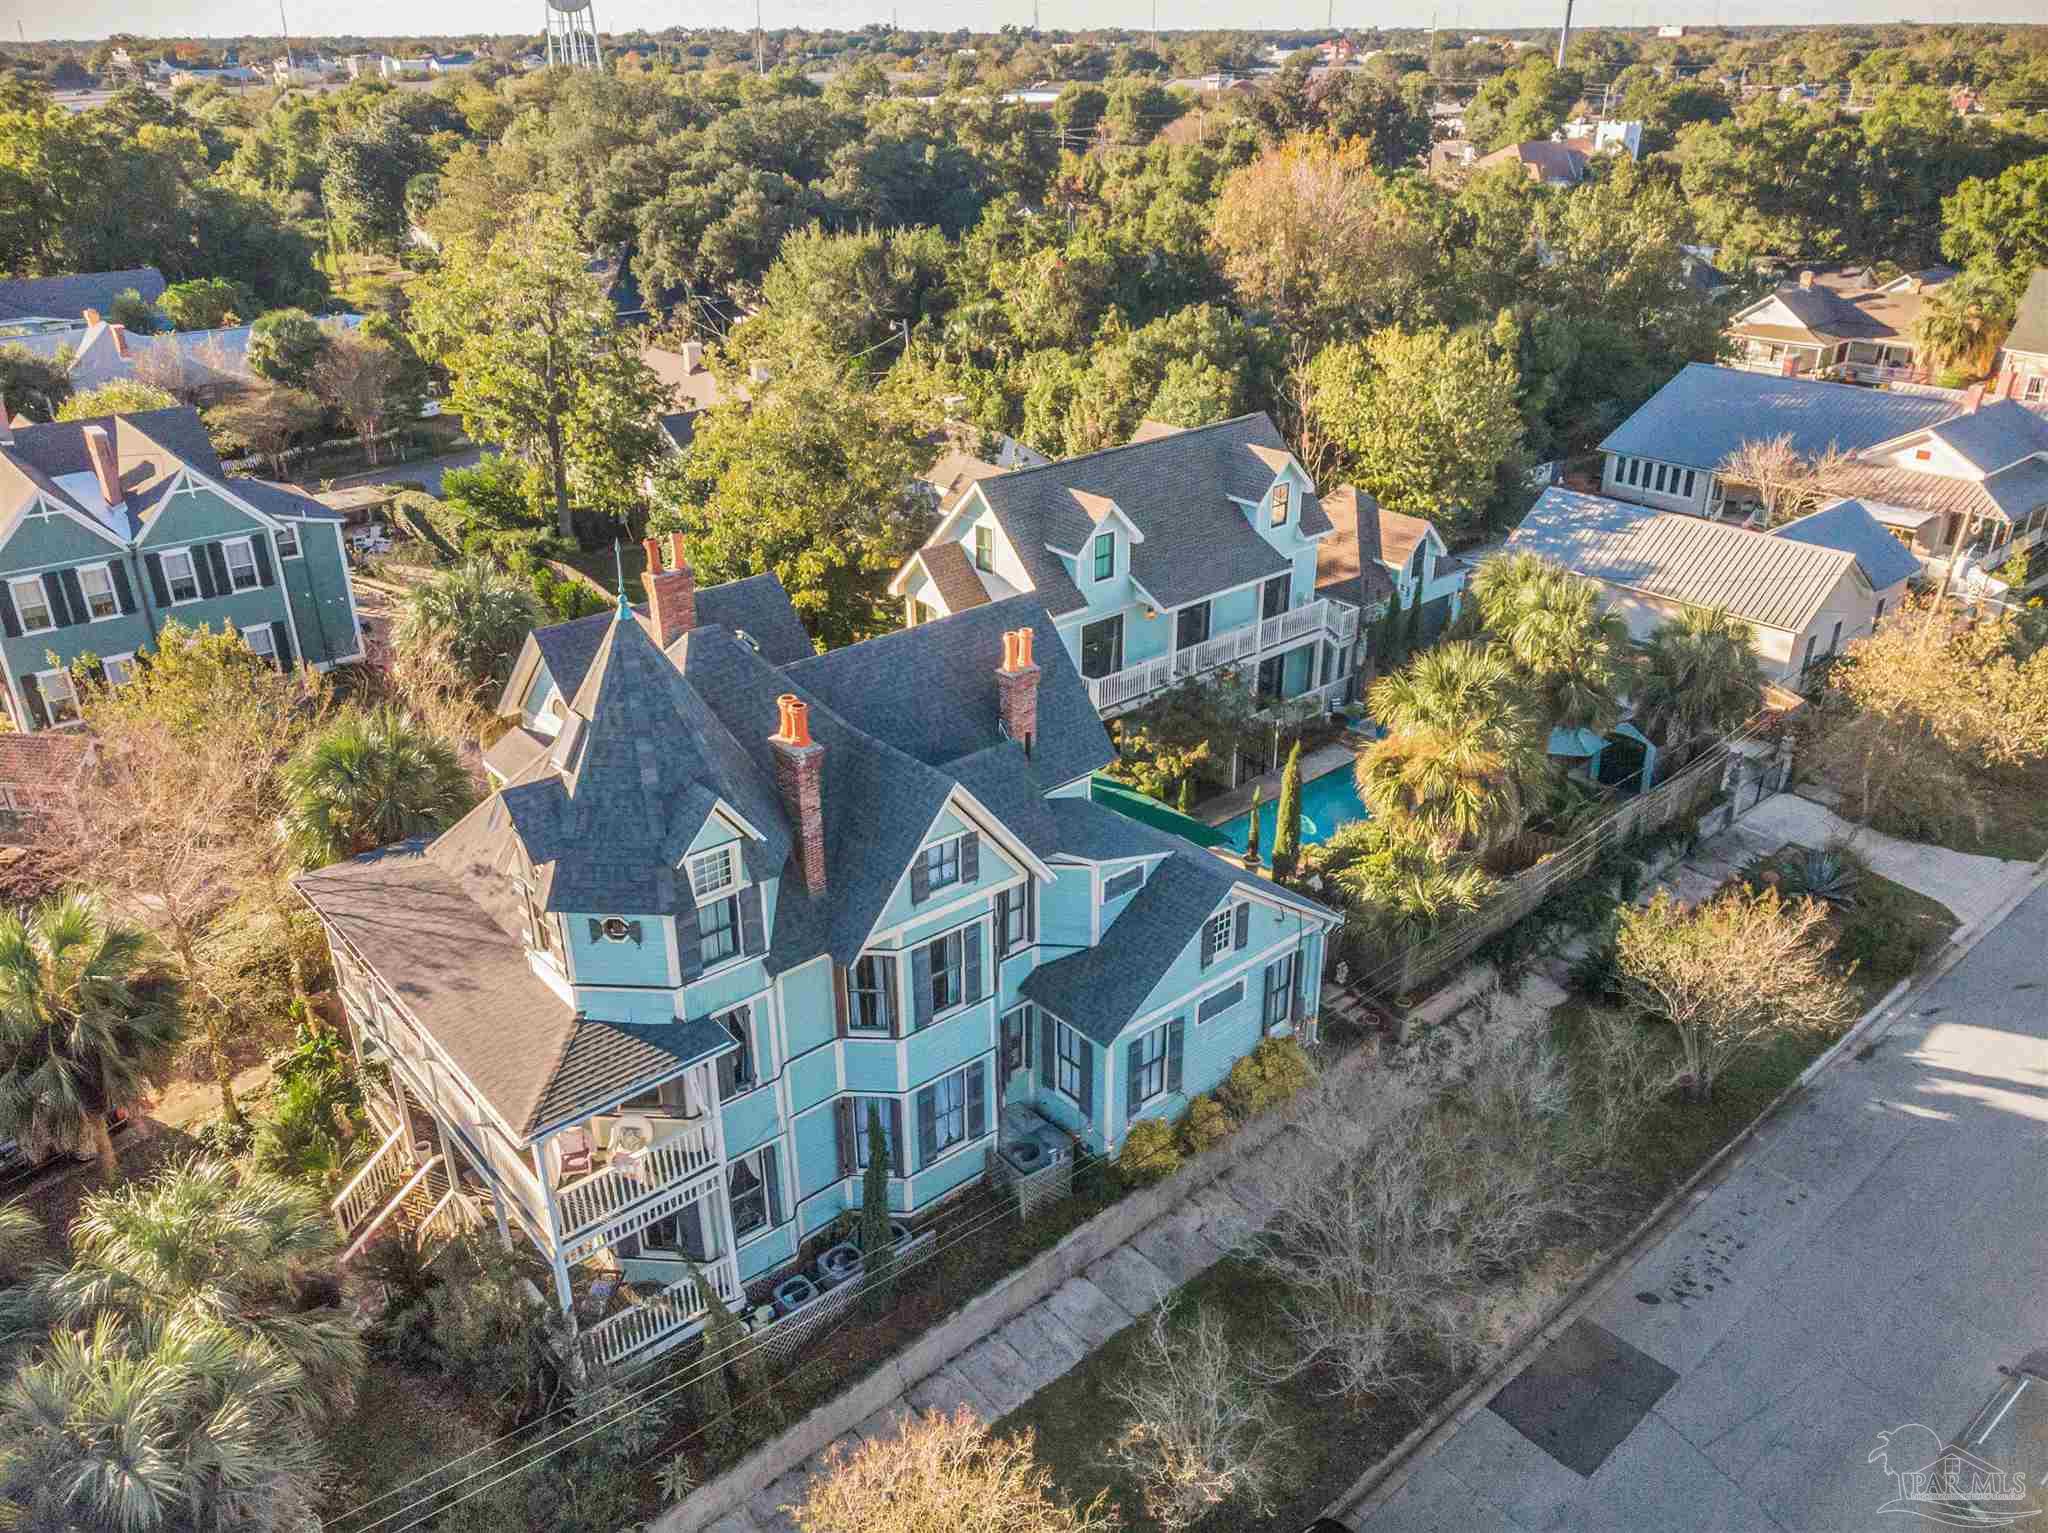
81,19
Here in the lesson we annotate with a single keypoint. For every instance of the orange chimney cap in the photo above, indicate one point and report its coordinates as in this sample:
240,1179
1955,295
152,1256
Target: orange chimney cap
1023,648
652,549
796,721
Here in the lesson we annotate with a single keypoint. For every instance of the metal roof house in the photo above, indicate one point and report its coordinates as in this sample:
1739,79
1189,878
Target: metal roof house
1177,554
2023,361
1805,591
638,1006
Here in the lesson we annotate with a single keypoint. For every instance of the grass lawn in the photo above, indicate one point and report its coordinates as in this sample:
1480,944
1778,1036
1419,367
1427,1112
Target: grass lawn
599,565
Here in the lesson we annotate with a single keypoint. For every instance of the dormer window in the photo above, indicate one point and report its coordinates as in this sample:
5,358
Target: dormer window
712,873
1280,498
984,547
1105,555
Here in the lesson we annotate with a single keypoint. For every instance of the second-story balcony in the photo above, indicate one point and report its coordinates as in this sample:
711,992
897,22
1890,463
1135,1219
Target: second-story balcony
1335,621
626,1177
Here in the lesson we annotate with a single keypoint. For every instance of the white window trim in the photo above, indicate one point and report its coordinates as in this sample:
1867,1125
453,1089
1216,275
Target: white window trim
269,651
893,990
758,1155
730,883
298,549
1061,1032
739,954
170,580
924,853
70,693
14,585
1165,1091
949,1150
127,658
954,934
248,546
1225,920
106,570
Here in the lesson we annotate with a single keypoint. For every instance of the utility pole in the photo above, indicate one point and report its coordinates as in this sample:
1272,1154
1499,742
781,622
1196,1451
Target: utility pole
760,63
1564,33
284,27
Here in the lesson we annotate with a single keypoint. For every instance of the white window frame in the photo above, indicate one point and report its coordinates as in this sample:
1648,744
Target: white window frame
126,661
984,547
43,601
288,543
758,1157
883,967
1224,925
739,937
1149,1062
113,592
1061,1062
728,880
268,649
191,575
70,695
248,548
947,851
941,1145
948,958
860,1130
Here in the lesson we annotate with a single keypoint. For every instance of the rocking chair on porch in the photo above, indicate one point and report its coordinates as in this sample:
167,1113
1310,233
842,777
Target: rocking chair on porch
577,1152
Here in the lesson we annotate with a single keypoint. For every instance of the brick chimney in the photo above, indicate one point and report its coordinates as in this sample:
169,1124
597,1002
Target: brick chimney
120,340
91,317
100,448
800,778
1017,689
1973,396
1806,279
671,593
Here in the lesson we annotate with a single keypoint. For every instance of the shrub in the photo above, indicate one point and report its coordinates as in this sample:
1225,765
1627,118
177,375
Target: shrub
1595,974
1266,1077
1149,1151
1205,1126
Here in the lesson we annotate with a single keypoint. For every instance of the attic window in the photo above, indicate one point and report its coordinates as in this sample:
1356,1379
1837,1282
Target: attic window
1280,498
984,547
711,873
617,929
1105,555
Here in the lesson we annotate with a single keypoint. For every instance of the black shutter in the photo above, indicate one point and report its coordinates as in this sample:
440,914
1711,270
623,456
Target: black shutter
896,1134
927,1126
1003,923
1298,1001
840,1003
260,546
1048,1057
753,928
843,1111
158,586
921,986
202,569
1175,1038
281,636
10,620
977,1101
689,943
771,1177
74,596
1087,1079
38,710
1133,1058
1208,943
124,593
920,880
222,583
1243,937
1030,897
970,857
53,593
972,943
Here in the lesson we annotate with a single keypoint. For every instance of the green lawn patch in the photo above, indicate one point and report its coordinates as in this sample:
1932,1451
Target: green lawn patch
1888,934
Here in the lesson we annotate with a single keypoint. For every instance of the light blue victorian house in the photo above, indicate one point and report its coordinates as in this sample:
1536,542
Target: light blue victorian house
637,1006
1175,555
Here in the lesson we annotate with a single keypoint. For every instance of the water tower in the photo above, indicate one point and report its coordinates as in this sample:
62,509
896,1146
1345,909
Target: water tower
572,34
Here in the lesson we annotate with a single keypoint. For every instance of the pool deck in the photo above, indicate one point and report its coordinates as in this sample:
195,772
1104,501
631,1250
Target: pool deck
1320,762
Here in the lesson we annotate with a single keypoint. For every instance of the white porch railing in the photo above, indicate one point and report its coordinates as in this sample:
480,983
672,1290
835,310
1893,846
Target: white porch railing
390,1210
454,1215
603,1195
680,1304
1249,641
383,1171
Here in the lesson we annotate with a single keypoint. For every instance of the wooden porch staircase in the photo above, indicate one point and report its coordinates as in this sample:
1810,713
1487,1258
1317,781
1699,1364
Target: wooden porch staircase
403,1191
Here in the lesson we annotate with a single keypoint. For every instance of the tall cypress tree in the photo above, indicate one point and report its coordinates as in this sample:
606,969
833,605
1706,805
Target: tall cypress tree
878,1253
1251,834
1186,804
1412,640
1287,820
1387,642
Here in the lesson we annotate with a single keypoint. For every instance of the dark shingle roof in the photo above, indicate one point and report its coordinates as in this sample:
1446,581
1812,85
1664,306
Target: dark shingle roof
1823,311
603,1062
756,604
2030,324
959,587
69,297
1174,489
1348,560
1707,412
282,500
1851,528
930,691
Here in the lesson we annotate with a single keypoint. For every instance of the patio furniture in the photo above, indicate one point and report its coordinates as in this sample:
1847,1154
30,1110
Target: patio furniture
577,1152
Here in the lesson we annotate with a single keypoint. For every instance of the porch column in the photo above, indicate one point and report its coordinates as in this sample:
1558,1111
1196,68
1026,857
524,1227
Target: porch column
563,1296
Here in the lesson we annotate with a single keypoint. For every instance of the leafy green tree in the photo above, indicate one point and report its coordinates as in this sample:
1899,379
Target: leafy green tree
539,364
285,346
1577,660
132,313
1962,323
262,421
1386,645
876,1243
1186,802
86,1022
37,387
1529,101
2000,224
1700,677
1395,892
1287,820
1425,420
1251,829
498,506
368,779
476,614
1078,110
364,187
207,303
1767,182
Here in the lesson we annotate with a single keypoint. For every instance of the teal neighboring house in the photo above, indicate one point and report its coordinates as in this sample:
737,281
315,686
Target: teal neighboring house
110,528
728,899
1178,554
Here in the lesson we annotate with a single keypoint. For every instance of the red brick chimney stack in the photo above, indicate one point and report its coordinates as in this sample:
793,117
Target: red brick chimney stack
1017,689
800,778
671,593
1972,398
100,448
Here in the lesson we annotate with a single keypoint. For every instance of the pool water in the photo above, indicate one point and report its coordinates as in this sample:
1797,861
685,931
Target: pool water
1327,803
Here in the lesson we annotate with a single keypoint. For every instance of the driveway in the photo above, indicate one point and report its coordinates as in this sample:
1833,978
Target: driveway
1866,1268
422,471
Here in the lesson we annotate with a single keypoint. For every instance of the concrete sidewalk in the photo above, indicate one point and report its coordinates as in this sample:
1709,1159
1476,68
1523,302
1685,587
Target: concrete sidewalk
1867,1265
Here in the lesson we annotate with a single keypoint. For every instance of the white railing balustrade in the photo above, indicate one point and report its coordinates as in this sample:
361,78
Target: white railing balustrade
454,1215
681,1303
390,1210
383,1171
583,1205
1248,641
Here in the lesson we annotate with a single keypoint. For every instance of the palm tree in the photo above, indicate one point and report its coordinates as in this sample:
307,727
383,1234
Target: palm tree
475,612
204,1238
86,1022
1699,677
1962,323
159,1427
366,780
1577,659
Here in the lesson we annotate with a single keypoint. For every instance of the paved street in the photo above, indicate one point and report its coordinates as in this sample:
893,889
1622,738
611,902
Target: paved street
1870,1263
426,472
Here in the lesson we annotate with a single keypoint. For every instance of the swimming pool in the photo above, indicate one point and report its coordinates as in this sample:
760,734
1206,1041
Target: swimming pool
1327,802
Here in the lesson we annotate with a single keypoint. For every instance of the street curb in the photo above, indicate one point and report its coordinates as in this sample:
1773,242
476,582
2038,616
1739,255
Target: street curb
1383,1481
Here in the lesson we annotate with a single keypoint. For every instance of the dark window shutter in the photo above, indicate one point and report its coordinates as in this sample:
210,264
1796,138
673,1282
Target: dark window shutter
920,880
74,596
10,620
1299,1008
843,1111
1243,937
1087,1080
1175,1034
753,928
972,942
1003,897
38,710
260,546
1208,943
921,986
927,1126
281,636
60,607
124,593
158,586
841,1006
1048,1055
217,556
896,1134
970,857
689,943
1029,894
202,570
771,1178
1132,1058
977,1101
885,972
